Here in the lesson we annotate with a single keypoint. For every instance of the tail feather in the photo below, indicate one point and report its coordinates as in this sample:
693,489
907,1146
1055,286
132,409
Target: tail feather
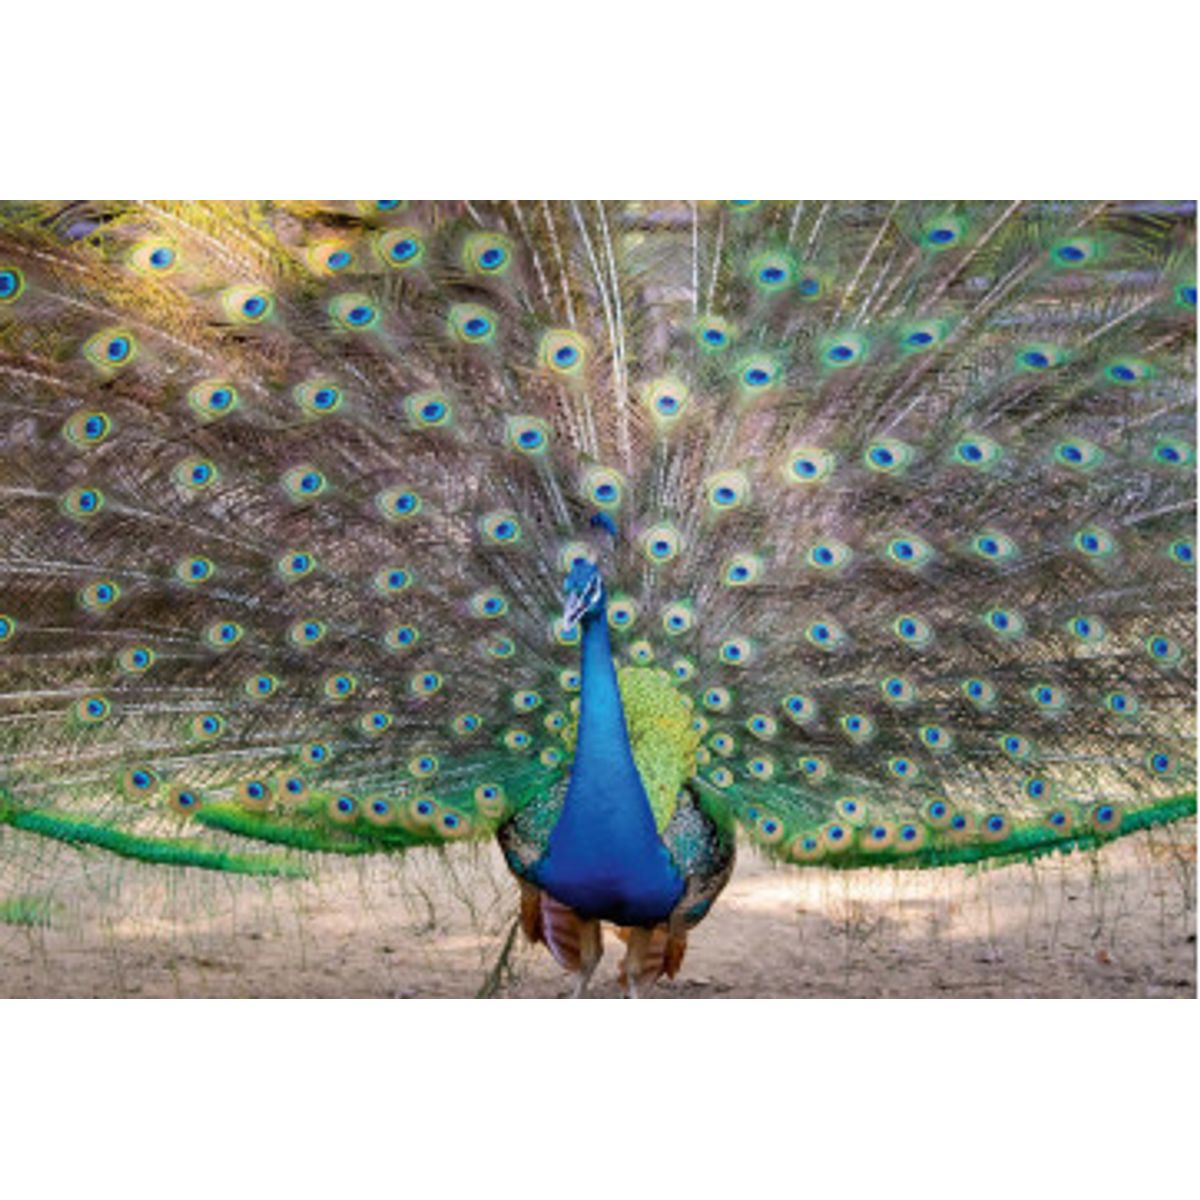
905,498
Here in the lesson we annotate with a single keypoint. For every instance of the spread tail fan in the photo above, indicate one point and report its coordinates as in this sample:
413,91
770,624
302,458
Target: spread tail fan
896,532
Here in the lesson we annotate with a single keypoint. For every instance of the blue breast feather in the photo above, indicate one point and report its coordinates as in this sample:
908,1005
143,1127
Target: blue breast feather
604,857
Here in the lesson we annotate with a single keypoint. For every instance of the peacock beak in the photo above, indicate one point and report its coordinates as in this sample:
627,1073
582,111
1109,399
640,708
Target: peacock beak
574,606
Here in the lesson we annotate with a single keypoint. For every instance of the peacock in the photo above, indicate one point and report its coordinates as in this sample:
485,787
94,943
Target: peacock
620,532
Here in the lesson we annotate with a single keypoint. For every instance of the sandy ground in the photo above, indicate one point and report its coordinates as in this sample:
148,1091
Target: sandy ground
1118,923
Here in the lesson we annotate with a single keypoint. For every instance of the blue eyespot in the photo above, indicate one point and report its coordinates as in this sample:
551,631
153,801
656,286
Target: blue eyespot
881,456
920,338
403,250
995,824
564,356
941,237
360,314
338,260
809,286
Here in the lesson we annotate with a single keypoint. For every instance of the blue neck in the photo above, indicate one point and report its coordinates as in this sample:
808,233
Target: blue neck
604,857
602,743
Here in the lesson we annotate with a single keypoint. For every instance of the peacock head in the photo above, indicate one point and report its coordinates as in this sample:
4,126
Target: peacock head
583,592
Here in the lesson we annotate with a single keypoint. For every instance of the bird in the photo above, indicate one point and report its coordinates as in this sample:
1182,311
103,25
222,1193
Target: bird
859,534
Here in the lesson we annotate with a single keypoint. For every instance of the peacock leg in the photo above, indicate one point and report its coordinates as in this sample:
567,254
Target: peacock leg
591,950
576,943
643,960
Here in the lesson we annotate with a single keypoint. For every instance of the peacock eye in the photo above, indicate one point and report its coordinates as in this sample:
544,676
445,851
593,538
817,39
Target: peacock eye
12,284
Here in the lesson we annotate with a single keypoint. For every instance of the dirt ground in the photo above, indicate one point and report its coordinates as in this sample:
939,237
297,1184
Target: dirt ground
1117,923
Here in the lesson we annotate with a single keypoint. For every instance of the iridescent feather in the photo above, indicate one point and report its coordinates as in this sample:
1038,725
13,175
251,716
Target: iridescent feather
903,498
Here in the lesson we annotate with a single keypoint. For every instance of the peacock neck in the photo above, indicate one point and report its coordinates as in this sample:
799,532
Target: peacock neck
604,857
602,745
